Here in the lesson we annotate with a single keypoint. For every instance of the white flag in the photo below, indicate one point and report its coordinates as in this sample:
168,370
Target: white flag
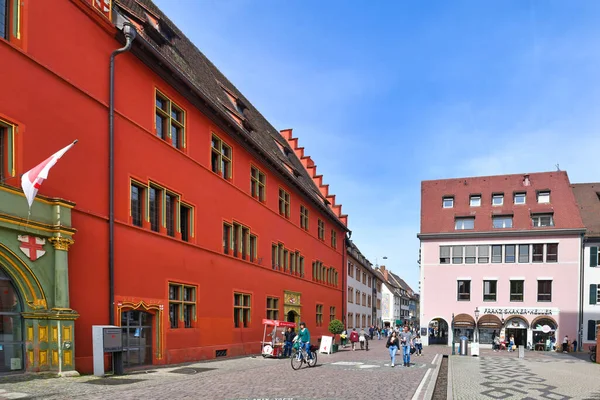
33,179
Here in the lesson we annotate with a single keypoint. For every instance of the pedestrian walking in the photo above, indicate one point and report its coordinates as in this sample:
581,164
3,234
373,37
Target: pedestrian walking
353,338
406,340
344,338
565,344
418,345
362,337
392,345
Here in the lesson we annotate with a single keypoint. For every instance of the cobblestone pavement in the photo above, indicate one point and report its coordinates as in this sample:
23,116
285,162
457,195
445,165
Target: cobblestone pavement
540,375
343,375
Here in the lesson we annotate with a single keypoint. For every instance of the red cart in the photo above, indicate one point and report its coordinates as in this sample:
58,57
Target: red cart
273,338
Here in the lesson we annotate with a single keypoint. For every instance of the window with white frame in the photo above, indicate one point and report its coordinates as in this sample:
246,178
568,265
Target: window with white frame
552,252
543,197
497,253
537,253
520,198
483,254
444,254
464,291
489,290
509,253
516,290
542,220
470,254
448,202
523,253
464,223
457,254
544,290
502,222
497,199
594,256
475,200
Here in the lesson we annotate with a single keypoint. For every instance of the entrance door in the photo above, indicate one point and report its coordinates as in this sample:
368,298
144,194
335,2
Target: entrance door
137,338
11,327
520,335
293,317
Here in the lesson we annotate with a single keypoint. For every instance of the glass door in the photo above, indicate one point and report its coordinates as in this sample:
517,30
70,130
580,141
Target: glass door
11,327
137,338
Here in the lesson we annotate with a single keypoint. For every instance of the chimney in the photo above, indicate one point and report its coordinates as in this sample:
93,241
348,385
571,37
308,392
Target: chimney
385,272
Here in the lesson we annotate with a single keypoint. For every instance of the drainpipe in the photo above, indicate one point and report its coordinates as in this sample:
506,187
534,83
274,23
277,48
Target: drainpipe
129,32
344,273
581,292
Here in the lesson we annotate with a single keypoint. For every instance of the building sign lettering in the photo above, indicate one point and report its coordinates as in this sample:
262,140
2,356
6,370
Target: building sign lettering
520,311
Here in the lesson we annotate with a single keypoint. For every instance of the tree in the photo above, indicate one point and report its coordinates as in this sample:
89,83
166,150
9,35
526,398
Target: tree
336,327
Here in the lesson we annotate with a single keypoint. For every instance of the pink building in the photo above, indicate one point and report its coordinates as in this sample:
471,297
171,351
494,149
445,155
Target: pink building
508,247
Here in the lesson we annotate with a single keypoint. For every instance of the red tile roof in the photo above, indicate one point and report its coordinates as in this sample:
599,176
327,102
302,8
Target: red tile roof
588,199
436,219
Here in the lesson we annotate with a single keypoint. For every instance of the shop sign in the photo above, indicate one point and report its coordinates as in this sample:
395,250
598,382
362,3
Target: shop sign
520,311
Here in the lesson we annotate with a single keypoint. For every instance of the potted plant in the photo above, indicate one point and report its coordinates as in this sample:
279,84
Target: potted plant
335,328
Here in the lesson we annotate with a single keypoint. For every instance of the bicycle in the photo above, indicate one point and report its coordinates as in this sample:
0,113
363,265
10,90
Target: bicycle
593,353
300,357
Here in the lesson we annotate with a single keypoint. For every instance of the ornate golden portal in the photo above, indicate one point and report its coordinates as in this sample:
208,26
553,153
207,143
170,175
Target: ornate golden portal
292,306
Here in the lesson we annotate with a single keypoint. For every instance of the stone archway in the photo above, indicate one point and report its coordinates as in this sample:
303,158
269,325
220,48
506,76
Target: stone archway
438,331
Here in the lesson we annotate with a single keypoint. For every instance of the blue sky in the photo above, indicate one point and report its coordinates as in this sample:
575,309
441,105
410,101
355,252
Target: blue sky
385,94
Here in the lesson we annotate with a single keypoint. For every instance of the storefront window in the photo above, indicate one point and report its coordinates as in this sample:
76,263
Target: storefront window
486,336
463,332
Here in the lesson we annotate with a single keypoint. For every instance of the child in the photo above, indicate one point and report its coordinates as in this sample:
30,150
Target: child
418,345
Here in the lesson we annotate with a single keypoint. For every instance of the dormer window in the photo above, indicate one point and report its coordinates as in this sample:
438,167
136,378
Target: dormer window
448,202
543,197
498,199
475,201
542,220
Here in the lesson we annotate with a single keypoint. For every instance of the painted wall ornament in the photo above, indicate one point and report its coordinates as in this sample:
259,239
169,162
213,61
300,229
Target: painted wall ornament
32,246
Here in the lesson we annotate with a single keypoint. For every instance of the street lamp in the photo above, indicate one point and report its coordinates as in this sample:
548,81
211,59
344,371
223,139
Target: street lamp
477,324
453,341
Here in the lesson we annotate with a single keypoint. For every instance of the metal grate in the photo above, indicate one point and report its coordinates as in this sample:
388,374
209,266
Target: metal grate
113,381
221,353
190,371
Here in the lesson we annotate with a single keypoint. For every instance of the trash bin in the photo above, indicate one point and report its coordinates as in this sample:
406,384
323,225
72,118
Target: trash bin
464,346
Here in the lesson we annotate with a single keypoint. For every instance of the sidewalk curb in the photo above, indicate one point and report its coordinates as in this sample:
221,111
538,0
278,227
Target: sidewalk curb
433,380
449,390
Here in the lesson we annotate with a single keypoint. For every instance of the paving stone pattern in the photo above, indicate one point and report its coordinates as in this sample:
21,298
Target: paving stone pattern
539,375
343,375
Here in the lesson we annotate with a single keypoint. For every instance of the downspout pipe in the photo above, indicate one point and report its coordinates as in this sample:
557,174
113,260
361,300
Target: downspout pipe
130,34
581,292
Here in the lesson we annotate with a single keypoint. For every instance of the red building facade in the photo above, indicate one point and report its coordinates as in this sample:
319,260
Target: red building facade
220,220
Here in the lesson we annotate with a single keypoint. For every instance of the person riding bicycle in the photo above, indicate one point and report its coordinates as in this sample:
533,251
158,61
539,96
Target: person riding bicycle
304,339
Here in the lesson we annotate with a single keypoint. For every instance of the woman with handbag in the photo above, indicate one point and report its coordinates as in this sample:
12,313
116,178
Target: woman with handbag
392,345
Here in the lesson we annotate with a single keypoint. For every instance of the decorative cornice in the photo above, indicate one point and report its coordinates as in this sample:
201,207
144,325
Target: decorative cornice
61,243
501,233
63,314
